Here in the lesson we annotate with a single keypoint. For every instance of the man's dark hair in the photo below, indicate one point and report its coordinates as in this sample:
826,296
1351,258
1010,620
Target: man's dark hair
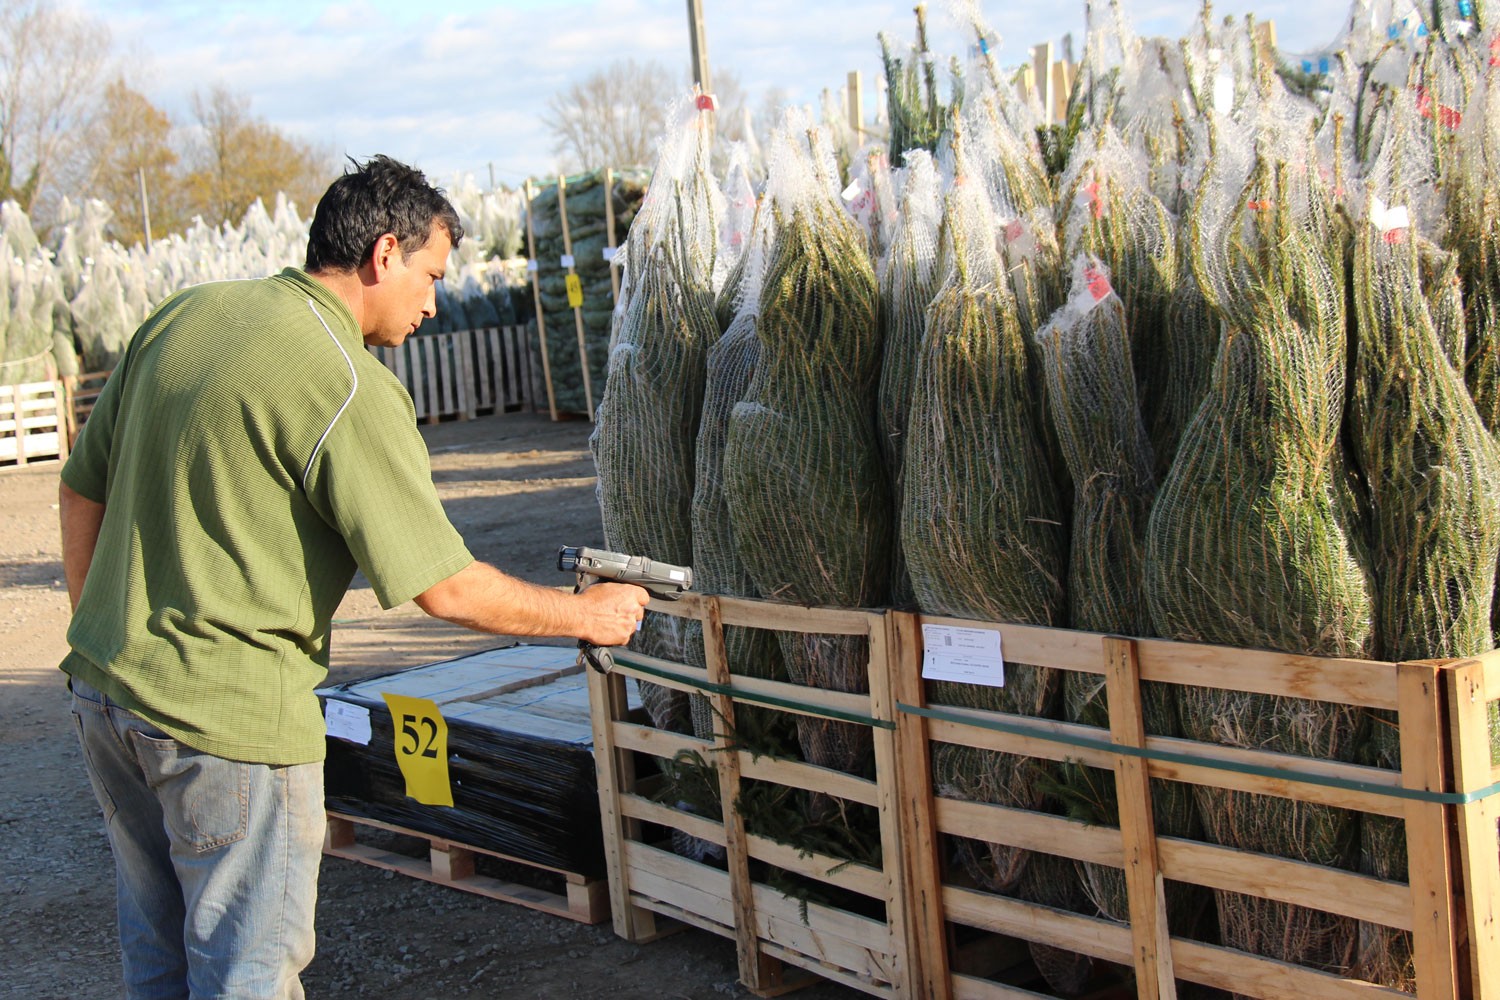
373,198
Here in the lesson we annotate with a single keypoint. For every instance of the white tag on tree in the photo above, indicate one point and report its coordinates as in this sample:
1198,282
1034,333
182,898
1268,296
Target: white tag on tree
1223,93
532,266
965,655
1386,219
567,260
609,253
347,722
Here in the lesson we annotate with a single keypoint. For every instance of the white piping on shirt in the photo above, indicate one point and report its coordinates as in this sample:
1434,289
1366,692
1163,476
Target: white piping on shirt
352,389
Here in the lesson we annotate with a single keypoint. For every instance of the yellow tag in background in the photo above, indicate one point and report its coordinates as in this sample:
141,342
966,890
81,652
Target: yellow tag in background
575,291
421,738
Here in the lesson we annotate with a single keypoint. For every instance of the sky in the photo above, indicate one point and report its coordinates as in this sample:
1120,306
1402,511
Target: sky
461,86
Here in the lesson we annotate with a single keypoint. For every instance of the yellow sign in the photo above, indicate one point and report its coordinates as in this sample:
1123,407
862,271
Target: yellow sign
575,291
421,738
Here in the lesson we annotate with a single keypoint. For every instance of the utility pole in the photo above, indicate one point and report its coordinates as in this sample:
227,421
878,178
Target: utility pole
140,175
700,46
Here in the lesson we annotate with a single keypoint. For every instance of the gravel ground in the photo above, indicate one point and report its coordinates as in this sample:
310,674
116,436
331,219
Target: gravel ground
517,486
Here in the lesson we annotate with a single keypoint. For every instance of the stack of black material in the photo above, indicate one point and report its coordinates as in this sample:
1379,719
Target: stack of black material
518,794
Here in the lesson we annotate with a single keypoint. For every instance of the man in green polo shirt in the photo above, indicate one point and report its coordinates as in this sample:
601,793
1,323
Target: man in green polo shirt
245,458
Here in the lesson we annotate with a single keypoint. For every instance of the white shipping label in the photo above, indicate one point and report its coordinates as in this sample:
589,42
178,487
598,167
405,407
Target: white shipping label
347,722
965,655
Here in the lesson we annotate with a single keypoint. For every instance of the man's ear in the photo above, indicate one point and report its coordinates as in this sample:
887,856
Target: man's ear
383,255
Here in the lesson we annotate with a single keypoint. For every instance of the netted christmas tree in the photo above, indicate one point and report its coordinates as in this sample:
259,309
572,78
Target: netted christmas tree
1251,541
807,492
647,426
983,525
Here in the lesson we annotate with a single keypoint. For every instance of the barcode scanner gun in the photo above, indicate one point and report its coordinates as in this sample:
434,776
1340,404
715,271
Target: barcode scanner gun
660,579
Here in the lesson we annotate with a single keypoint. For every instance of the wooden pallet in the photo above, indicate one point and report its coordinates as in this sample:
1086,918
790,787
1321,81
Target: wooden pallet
33,423
461,373
450,863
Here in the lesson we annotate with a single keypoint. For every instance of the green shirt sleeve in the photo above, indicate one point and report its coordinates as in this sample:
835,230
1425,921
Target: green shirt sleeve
87,470
372,480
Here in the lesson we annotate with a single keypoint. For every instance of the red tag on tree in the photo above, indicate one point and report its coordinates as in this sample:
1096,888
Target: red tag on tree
707,102
1097,282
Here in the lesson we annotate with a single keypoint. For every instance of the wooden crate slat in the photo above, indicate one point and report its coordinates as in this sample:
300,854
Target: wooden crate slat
1367,683
701,827
680,881
1317,887
974,988
858,878
841,938
1032,831
800,774
1268,978
1034,922
656,742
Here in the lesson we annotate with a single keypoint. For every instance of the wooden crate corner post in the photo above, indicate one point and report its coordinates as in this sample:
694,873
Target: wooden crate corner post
616,775
1470,687
921,864
1151,943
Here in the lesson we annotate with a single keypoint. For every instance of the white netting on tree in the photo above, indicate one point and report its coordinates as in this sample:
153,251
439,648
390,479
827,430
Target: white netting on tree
1251,542
1108,211
808,494
1432,468
908,279
983,525
647,425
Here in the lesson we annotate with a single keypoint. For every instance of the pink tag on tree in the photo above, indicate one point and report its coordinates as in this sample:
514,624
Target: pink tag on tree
1097,282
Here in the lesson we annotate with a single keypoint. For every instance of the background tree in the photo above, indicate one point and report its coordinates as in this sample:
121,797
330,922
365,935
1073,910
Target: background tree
613,117
135,140
53,66
237,158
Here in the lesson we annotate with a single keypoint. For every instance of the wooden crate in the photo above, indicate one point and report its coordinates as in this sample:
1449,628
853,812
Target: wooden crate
452,864
33,422
775,936
1426,794
1444,794
461,373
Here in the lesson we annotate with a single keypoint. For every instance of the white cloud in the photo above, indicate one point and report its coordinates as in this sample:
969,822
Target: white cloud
458,84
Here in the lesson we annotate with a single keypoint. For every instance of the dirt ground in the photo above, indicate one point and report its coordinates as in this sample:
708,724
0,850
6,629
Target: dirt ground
517,486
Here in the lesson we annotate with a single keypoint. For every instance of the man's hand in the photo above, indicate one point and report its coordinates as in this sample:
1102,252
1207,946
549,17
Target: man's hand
615,609
482,598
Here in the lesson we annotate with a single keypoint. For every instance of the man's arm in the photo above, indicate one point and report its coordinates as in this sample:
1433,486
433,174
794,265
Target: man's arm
482,598
80,518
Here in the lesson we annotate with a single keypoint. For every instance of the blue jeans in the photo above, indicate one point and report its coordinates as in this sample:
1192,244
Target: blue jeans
216,861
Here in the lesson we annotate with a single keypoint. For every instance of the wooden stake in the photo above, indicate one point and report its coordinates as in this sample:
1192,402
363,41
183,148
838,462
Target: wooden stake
1041,67
535,267
583,351
609,234
856,97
